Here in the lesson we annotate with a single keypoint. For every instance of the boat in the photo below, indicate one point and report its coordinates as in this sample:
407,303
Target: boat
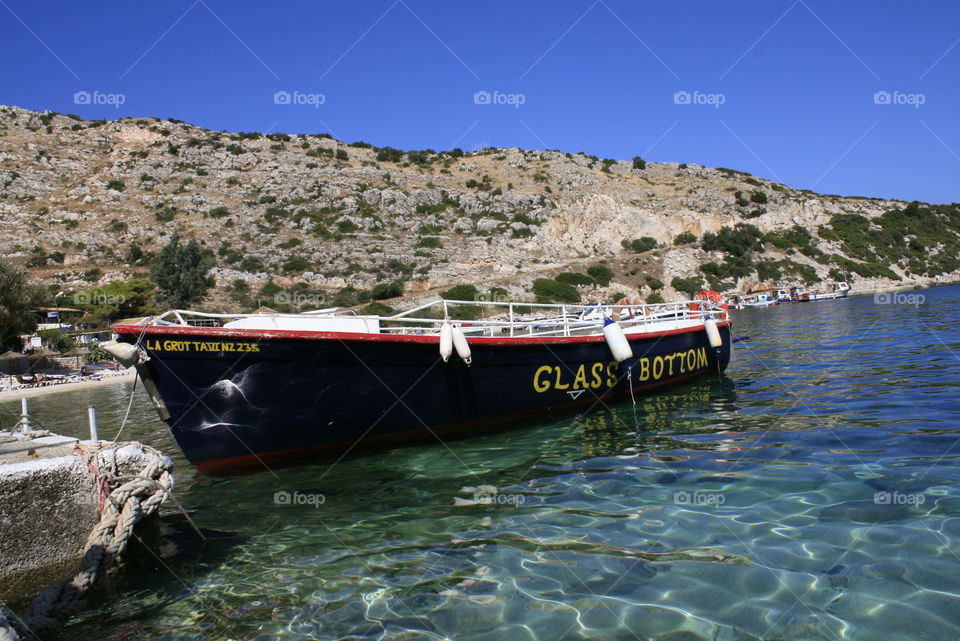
243,391
838,289
799,295
745,301
783,296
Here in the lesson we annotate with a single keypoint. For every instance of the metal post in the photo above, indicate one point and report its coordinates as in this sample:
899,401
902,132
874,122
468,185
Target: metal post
92,417
24,415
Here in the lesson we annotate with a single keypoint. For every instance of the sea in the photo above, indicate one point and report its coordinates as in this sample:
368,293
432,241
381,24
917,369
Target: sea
812,491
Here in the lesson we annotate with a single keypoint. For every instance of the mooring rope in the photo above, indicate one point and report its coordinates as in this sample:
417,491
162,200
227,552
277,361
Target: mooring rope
133,393
125,505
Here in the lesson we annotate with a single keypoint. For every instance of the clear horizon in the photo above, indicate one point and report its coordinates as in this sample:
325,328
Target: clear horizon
855,100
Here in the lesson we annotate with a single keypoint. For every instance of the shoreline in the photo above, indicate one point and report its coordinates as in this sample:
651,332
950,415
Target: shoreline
12,395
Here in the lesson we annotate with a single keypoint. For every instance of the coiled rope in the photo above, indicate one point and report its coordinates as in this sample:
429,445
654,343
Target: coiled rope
127,503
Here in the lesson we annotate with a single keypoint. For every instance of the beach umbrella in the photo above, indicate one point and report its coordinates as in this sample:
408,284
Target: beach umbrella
78,352
12,362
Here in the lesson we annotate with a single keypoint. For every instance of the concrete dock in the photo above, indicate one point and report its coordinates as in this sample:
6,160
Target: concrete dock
52,490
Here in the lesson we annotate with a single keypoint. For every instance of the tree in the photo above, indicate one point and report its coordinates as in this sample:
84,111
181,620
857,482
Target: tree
639,163
118,299
17,298
181,273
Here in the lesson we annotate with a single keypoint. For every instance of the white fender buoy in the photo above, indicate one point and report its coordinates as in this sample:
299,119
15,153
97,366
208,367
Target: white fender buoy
713,334
461,345
125,353
446,341
618,343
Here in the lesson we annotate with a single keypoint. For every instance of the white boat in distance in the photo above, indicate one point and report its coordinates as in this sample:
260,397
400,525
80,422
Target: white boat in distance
840,289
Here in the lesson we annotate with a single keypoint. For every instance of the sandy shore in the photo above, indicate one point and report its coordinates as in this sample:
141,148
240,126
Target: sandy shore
12,395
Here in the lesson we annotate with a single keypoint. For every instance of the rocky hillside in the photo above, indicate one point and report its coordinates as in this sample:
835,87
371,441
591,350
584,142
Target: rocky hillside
86,202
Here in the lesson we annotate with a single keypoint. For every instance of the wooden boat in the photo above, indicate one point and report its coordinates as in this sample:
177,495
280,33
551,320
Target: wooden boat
244,391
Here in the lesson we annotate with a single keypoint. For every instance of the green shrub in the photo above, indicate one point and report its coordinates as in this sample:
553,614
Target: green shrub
574,278
389,154
218,212
689,286
655,298
296,264
378,309
430,242
642,244
116,185
684,238
601,273
551,291
758,197
738,241
387,290
639,163
653,283
460,292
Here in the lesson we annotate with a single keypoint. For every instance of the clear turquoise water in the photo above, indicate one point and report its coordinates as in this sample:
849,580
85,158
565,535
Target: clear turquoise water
811,493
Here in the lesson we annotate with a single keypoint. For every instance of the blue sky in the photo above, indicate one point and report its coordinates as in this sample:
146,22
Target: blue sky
784,89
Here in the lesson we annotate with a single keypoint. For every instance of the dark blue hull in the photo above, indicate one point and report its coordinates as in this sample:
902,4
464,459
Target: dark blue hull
241,399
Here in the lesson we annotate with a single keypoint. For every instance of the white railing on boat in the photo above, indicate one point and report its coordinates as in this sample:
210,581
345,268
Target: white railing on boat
495,318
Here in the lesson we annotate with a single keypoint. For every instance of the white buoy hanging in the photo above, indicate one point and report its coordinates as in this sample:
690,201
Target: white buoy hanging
125,353
461,345
616,340
713,334
446,341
